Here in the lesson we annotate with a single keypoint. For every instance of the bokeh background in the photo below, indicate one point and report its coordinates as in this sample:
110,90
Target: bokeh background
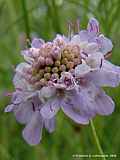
20,19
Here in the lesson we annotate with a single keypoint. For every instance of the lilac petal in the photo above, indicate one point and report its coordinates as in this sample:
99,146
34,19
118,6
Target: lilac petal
72,108
87,95
22,96
109,66
26,52
60,38
24,112
105,44
47,92
97,102
50,124
50,108
79,38
28,55
17,97
19,81
81,70
20,68
93,25
83,36
32,133
9,108
91,48
104,103
94,60
87,36
104,77
74,115
37,43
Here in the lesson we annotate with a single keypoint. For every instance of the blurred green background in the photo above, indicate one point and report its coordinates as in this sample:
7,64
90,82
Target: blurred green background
44,18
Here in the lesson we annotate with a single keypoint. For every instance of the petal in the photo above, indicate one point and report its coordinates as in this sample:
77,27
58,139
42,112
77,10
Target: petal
94,60
18,80
105,44
47,92
93,25
88,93
21,83
83,36
60,40
86,36
50,108
32,133
22,96
82,70
96,101
24,112
20,67
50,124
109,66
9,108
37,43
80,39
91,48
72,108
27,54
104,103
104,77
17,97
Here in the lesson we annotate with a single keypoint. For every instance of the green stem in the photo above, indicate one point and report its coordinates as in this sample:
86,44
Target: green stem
26,18
96,139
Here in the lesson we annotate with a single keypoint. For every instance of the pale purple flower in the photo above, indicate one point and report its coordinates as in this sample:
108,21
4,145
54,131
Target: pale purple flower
67,74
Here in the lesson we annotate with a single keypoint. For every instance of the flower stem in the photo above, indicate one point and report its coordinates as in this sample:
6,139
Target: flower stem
96,139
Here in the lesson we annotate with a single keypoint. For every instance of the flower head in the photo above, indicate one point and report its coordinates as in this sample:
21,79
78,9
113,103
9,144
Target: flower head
66,73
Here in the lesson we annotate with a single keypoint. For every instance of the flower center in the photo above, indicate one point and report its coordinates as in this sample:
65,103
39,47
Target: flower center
51,60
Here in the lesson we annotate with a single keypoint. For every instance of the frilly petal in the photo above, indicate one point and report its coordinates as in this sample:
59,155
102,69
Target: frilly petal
47,92
108,75
20,67
72,108
81,70
93,25
95,60
104,104
9,108
50,124
32,133
105,44
91,48
24,112
50,108
37,43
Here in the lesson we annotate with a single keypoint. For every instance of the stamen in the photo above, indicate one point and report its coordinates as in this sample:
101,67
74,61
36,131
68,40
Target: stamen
76,26
70,30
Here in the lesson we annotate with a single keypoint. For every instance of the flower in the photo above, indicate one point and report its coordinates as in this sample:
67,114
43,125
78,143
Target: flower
68,74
